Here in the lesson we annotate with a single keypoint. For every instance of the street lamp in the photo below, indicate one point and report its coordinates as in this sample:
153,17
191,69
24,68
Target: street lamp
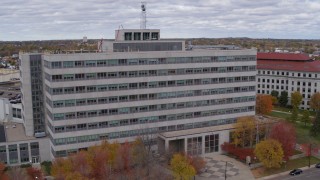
225,171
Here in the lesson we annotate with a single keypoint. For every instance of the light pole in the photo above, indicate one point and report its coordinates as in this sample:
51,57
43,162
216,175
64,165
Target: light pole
310,146
225,171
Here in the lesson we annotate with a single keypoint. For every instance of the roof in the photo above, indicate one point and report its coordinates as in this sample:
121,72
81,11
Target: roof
301,66
282,56
15,132
186,132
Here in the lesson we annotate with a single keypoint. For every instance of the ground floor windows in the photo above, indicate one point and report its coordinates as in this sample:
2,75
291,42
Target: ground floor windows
212,143
194,145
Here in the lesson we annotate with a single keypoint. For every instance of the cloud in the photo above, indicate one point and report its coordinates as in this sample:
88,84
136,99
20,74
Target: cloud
70,19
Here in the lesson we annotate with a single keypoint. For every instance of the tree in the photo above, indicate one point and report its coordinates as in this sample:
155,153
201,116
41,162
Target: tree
17,173
3,175
107,161
181,167
34,173
296,99
285,134
197,163
263,104
306,117
294,114
283,99
245,131
274,93
315,104
270,153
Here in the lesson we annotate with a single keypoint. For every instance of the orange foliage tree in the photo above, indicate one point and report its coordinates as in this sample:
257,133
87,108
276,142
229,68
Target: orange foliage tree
106,161
34,173
264,104
3,175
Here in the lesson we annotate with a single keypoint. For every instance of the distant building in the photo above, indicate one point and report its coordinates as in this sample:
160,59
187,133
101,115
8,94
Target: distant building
288,72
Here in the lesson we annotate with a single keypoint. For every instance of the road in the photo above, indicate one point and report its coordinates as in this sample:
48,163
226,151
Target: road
308,174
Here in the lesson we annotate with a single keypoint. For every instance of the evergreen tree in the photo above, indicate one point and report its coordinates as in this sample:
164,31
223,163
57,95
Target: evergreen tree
283,99
315,104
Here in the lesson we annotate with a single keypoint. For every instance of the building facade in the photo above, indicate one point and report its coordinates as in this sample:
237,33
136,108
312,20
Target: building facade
288,72
141,86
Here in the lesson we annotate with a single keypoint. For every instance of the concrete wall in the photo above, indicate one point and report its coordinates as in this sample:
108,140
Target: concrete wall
26,94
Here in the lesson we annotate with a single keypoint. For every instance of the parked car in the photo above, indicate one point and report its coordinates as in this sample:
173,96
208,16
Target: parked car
295,172
318,165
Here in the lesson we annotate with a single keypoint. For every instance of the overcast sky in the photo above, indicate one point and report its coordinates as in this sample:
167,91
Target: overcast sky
73,19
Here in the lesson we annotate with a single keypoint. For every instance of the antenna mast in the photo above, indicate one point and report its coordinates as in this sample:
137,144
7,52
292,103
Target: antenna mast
143,19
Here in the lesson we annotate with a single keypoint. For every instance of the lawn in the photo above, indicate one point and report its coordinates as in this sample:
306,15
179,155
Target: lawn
292,164
303,135
286,109
280,115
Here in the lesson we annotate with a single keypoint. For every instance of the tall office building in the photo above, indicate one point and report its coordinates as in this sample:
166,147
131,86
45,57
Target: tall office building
136,85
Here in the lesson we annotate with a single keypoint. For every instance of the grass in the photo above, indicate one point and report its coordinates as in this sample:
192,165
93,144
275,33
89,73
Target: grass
280,115
291,164
286,109
303,132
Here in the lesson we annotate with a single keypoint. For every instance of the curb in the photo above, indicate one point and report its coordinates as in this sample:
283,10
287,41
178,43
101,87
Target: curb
285,173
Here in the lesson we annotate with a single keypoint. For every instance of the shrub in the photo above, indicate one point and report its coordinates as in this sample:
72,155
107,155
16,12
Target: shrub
240,153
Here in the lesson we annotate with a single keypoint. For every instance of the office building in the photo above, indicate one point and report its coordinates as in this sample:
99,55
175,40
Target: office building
135,85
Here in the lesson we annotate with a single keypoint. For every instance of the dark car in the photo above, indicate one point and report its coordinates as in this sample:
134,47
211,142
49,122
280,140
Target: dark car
295,172
318,165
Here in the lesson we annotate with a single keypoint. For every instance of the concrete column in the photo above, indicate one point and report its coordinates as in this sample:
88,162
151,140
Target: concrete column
185,145
166,145
203,144
8,159
18,150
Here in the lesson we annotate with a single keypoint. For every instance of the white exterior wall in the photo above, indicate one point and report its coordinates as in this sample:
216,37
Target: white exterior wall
272,80
26,98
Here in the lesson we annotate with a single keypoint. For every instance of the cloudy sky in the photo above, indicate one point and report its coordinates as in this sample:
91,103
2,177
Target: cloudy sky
73,19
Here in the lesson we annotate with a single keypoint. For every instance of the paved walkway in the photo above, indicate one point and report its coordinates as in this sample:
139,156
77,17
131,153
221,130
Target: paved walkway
216,165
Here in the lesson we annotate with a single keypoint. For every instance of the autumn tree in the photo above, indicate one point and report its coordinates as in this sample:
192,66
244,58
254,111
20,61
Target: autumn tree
296,99
3,175
244,131
270,153
263,104
181,167
306,117
283,99
315,104
34,173
285,134
17,173
107,161
197,162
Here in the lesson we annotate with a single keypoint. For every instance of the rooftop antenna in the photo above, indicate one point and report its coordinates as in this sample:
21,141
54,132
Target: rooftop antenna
143,19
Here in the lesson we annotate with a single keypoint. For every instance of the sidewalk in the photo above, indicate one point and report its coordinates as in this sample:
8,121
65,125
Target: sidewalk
216,166
284,173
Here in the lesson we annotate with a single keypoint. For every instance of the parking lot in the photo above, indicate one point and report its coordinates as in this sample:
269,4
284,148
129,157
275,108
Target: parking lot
9,90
